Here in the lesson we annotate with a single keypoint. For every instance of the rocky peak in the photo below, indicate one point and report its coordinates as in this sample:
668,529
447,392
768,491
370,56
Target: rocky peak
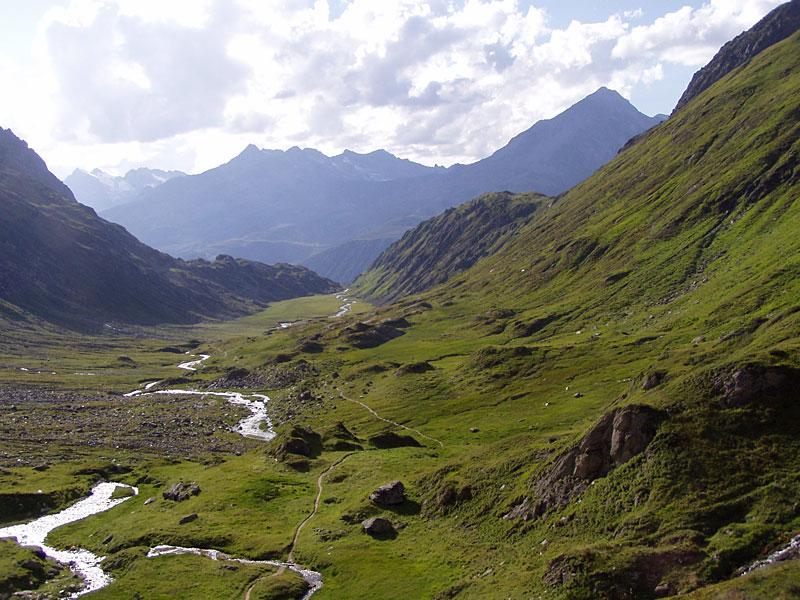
775,27
15,155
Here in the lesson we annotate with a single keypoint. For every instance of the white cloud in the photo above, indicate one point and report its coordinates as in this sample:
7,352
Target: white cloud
436,81
690,36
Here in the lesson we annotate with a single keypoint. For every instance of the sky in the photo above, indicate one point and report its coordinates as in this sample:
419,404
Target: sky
188,84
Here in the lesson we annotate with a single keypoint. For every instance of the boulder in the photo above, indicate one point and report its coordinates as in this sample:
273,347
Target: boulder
389,494
390,439
178,492
188,519
377,526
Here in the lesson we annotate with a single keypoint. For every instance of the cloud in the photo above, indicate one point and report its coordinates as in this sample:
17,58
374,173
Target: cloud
128,79
691,36
438,80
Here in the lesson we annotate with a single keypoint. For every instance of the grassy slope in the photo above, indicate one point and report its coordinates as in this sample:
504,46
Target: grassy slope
438,248
650,265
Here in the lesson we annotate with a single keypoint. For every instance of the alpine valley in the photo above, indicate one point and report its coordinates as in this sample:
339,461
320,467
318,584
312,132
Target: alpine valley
571,390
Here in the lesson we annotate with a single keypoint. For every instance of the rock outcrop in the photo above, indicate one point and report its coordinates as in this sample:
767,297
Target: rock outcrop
616,438
178,492
753,382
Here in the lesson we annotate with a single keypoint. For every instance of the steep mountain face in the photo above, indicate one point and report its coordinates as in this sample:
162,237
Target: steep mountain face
287,206
102,191
556,154
435,250
61,262
773,28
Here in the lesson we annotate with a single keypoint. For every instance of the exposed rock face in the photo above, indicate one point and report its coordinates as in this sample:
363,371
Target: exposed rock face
391,493
377,526
775,27
178,492
617,437
749,384
653,379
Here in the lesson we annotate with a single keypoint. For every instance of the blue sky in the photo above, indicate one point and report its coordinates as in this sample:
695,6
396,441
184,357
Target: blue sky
187,84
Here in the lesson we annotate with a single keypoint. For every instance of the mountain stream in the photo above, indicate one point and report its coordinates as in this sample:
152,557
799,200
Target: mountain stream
83,562
86,563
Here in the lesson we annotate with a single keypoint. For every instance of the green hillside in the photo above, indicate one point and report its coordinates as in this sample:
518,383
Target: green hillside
443,246
628,361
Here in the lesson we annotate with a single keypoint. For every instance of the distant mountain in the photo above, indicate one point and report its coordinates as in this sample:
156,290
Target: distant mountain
271,205
61,262
102,191
773,28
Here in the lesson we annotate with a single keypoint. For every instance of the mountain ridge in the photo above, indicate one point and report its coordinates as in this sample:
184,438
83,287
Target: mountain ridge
289,205
61,262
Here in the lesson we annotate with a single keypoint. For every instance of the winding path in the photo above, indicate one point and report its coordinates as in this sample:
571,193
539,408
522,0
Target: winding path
290,556
377,416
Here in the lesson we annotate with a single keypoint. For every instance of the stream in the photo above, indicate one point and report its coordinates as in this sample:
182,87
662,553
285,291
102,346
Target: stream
313,578
87,564
791,550
83,562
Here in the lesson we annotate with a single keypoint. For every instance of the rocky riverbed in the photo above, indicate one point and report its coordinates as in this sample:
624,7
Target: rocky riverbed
40,427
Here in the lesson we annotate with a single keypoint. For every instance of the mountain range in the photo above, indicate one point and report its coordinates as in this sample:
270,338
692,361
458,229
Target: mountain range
61,262
335,214
102,191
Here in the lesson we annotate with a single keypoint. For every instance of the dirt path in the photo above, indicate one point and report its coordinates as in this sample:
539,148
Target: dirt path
377,416
290,556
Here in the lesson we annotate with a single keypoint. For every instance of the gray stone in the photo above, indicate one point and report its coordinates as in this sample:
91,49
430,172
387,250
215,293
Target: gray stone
377,526
188,519
391,493
178,492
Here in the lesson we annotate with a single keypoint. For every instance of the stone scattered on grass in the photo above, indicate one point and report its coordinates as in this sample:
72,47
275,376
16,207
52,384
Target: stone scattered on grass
178,492
377,526
391,493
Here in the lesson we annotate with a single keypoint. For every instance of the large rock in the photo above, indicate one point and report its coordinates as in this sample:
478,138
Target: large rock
391,493
616,438
377,526
178,492
753,382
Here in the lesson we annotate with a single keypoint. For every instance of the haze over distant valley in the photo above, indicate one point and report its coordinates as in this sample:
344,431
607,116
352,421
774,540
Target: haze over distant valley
335,214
